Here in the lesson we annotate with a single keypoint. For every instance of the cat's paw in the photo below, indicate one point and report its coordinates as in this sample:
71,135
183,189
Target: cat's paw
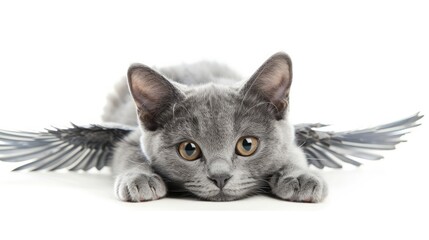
138,187
304,187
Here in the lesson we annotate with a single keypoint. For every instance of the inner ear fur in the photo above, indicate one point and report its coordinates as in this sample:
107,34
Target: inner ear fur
152,94
272,82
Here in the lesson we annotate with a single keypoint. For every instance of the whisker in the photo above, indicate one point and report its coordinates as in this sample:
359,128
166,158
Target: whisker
193,185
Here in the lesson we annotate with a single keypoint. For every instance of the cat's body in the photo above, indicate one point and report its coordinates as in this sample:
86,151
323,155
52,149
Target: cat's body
207,108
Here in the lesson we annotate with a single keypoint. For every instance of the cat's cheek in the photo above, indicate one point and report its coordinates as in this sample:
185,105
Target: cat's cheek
258,166
178,170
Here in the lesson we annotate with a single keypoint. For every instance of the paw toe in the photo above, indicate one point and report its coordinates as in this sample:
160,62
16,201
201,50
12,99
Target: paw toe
312,188
139,187
303,188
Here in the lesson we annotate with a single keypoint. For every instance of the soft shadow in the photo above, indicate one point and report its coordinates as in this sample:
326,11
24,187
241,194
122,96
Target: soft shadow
94,183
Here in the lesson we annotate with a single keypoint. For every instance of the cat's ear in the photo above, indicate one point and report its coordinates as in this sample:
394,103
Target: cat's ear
271,82
152,93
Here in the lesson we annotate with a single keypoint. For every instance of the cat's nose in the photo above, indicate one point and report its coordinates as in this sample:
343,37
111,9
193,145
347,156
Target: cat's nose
220,180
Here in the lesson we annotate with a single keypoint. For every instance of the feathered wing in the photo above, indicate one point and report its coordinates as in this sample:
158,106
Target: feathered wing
75,148
327,149
83,148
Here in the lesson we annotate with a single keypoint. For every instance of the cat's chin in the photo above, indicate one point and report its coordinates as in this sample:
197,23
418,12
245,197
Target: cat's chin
221,196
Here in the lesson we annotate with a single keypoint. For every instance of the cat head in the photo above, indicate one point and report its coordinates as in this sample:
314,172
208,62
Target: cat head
218,142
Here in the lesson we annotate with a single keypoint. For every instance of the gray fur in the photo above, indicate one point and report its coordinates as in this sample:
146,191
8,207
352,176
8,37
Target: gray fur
209,106
120,107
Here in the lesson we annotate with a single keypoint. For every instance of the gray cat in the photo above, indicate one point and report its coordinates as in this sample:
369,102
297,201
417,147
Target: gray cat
198,129
203,130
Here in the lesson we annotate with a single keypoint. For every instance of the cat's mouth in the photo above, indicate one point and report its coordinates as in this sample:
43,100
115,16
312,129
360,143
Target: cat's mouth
221,195
228,193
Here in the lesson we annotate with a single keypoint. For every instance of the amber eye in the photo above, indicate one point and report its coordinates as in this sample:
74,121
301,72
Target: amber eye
189,150
246,146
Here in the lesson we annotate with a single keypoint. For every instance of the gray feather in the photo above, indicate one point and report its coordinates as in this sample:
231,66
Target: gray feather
76,148
331,147
83,148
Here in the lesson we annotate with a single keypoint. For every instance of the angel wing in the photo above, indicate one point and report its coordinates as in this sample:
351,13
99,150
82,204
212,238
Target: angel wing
326,149
75,148
82,148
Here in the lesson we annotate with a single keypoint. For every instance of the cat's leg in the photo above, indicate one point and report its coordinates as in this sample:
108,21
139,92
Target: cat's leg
135,179
295,182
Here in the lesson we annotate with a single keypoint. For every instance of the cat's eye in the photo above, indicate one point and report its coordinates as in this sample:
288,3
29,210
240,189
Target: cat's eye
189,150
246,146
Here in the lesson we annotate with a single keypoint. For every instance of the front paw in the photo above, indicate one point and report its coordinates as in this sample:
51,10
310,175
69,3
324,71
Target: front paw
138,187
303,187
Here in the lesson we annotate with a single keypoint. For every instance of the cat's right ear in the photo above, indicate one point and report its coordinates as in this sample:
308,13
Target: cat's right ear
271,83
152,93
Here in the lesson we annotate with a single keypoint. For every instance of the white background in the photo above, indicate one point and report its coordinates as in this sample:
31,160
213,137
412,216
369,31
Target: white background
356,64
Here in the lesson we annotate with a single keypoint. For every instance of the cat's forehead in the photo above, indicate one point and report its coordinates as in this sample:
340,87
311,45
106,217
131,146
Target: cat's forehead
216,111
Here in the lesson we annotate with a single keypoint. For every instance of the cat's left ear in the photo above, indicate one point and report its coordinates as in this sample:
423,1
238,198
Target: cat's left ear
271,82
